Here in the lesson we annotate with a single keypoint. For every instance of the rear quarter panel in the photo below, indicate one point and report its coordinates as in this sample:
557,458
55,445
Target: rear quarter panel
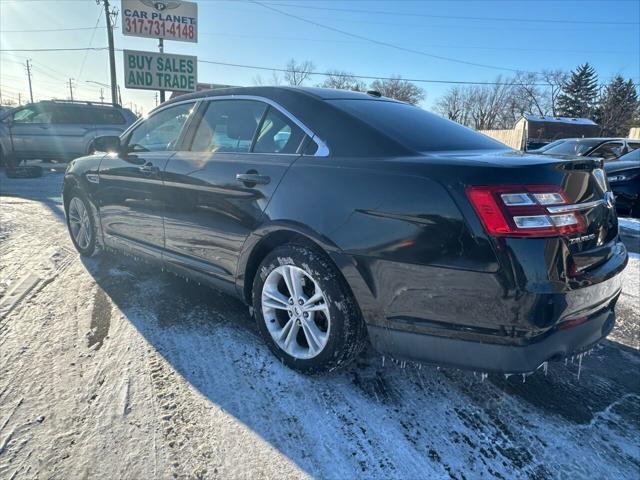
399,239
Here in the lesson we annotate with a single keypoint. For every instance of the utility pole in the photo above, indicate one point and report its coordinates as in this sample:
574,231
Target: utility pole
19,98
112,57
71,89
29,77
102,95
156,97
161,50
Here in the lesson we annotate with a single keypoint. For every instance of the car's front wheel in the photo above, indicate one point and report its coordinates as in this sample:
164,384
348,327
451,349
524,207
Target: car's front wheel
81,223
305,311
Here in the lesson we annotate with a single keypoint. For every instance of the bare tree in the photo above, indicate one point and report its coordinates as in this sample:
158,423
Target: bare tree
297,73
274,80
555,79
342,80
526,96
453,105
400,89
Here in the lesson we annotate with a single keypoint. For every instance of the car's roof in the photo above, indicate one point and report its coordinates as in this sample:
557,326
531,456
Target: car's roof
595,139
271,91
78,103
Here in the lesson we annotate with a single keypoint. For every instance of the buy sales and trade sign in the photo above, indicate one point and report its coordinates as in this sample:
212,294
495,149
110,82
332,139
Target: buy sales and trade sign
166,19
160,71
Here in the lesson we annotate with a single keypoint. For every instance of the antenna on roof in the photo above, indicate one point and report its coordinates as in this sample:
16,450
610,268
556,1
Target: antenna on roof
374,93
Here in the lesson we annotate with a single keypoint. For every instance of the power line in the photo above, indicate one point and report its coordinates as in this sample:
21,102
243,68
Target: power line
434,45
365,77
73,29
454,17
78,49
93,34
382,43
326,74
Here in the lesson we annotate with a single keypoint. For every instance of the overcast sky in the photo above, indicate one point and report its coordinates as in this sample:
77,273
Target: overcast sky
430,40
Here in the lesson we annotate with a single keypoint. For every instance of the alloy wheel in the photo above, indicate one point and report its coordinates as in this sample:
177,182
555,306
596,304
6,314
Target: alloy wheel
296,312
79,223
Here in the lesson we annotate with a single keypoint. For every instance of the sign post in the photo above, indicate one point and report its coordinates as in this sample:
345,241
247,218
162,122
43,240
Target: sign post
161,19
161,50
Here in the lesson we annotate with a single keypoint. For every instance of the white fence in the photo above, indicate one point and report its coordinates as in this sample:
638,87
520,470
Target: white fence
513,137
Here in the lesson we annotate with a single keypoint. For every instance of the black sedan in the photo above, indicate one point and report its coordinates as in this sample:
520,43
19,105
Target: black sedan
606,148
343,218
624,178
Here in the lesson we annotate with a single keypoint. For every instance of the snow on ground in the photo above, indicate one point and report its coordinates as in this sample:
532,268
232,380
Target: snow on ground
113,369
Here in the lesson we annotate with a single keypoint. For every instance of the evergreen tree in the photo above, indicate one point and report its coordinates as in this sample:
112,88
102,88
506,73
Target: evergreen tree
617,108
579,94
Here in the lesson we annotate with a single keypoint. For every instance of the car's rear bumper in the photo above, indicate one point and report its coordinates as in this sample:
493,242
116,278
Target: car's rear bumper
491,357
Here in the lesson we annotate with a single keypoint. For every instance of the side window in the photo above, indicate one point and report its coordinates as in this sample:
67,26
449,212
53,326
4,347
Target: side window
633,146
608,151
160,132
278,134
66,115
107,116
32,114
228,126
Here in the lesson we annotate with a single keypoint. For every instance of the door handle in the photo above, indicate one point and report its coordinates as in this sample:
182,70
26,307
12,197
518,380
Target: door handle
252,179
148,169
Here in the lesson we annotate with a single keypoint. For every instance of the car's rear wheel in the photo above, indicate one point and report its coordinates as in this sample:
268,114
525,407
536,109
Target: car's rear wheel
305,311
82,226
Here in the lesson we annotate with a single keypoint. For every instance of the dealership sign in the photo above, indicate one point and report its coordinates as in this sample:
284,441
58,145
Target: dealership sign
167,19
160,71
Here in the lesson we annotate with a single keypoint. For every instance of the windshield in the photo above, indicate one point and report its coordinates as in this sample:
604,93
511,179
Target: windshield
572,147
416,128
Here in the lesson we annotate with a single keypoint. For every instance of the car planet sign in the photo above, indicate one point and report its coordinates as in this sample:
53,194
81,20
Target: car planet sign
160,71
167,19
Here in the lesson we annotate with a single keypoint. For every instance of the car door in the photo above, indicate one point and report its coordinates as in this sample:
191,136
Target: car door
70,131
218,189
130,194
28,129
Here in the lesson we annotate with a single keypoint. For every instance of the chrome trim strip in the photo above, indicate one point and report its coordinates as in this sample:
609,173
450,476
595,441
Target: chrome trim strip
323,149
202,188
122,178
575,207
239,192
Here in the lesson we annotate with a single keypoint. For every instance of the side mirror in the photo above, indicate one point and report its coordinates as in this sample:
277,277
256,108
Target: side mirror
107,144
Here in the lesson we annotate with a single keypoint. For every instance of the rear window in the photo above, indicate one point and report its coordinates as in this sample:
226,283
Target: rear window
416,128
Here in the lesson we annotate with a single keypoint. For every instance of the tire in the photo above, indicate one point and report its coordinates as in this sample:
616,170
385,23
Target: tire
83,238
339,333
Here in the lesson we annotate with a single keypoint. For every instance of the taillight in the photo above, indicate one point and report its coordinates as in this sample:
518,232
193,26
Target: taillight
521,210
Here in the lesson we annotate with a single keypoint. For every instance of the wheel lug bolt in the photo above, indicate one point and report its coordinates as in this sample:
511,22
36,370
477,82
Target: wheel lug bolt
291,301
305,314
300,302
